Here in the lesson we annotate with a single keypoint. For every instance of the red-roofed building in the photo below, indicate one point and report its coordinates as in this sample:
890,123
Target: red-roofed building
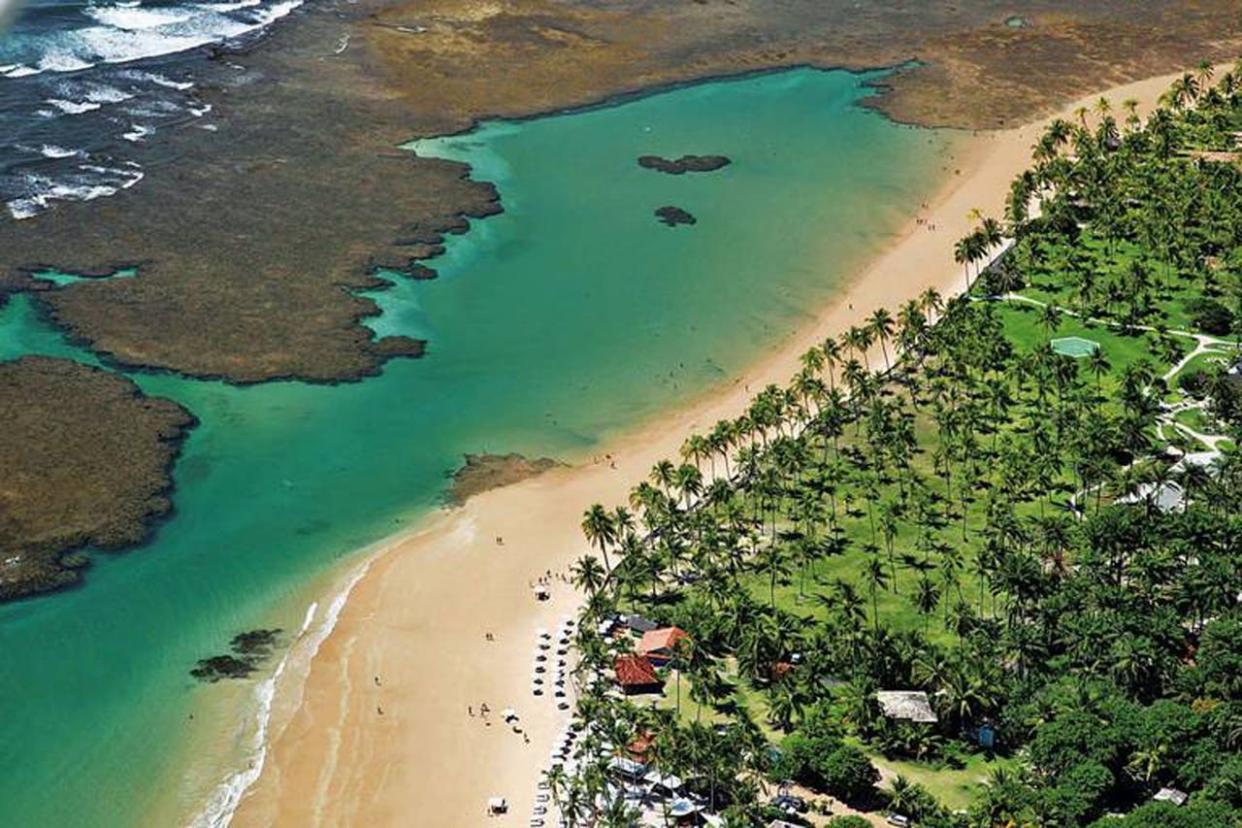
636,674
660,645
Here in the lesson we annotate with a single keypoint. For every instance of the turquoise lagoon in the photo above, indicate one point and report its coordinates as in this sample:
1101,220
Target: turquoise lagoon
569,317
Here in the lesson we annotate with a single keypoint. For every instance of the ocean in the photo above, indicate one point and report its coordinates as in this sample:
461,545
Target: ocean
569,318
84,84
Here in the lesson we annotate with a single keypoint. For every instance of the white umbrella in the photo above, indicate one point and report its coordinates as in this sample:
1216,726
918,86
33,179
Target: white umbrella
543,633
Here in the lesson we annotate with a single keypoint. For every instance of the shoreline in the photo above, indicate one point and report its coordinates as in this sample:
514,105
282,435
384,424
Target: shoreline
380,731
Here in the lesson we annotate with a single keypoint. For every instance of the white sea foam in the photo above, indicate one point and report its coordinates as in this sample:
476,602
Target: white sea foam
228,794
137,17
53,151
99,182
23,208
137,132
156,78
128,32
61,61
228,7
73,107
107,94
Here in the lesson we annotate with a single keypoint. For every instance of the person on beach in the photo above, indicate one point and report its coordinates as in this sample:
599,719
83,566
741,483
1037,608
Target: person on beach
470,710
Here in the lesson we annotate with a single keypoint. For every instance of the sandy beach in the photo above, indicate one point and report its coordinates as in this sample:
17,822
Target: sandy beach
385,729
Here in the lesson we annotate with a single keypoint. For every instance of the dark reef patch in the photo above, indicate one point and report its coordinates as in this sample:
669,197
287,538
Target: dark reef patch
673,216
481,472
87,461
685,164
248,650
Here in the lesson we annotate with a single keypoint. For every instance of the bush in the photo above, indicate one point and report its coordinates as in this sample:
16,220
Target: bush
850,821
798,753
1166,815
847,773
1226,785
1210,316
1082,790
1196,383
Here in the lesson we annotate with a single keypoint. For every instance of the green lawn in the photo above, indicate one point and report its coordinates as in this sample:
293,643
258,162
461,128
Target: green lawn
956,788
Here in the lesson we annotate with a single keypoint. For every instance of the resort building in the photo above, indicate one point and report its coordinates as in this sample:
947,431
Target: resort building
661,645
906,706
636,674
638,624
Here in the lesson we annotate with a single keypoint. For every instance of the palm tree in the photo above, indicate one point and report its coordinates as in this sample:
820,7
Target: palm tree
600,530
662,475
587,574
785,705
881,324
1050,318
1098,364
877,579
926,599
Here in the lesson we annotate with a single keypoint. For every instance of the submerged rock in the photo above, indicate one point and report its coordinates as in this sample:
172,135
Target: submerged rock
249,650
223,666
254,642
673,216
685,164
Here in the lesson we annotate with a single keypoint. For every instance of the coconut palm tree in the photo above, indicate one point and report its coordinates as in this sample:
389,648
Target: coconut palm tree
600,530
881,324
926,599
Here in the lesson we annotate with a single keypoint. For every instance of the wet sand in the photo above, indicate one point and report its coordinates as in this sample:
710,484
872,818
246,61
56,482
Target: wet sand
381,732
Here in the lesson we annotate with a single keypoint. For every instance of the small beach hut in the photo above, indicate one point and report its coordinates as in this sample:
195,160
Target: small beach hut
662,784
684,811
636,674
660,645
906,706
627,769
639,625
1171,795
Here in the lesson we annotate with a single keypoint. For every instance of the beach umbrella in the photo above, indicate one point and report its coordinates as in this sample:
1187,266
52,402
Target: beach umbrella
536,690
509,713
543,633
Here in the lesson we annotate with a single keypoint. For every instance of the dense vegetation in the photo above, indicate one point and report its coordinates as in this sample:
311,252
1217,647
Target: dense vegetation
944,501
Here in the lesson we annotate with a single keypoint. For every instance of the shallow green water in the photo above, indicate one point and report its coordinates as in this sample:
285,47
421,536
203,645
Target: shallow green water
573,314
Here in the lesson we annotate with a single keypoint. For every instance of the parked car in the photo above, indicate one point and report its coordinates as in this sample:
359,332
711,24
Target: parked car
789,803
